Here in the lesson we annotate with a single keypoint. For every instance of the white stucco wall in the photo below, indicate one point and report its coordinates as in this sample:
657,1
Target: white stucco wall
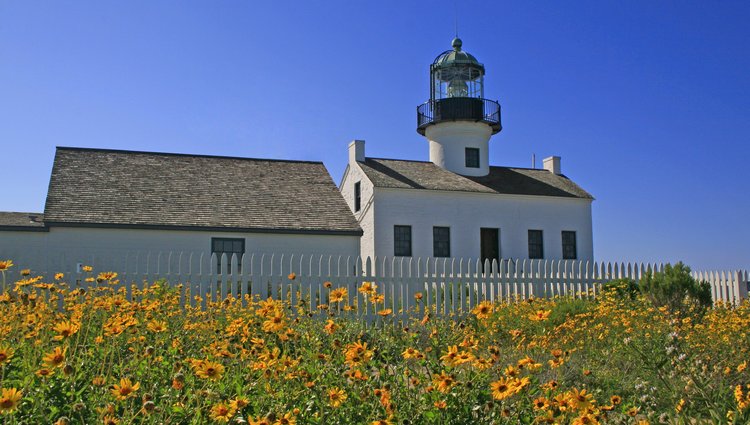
465,213
366,215
448,143
62,247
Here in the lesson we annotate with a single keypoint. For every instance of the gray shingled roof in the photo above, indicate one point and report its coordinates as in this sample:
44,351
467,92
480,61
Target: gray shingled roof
98,187
400,174
21,220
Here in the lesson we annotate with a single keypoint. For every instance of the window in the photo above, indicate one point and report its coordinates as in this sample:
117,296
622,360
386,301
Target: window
472,157
402,241
441,241
569,245
357,196
536,244
228,246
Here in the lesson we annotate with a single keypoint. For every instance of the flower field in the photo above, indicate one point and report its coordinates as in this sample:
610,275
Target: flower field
92,356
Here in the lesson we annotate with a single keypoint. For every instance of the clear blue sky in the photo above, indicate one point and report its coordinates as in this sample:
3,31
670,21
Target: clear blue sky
648,103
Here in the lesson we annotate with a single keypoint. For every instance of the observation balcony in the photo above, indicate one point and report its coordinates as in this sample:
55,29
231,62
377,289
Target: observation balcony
459,109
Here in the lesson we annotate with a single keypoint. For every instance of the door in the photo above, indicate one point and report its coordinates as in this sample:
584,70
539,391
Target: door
490,244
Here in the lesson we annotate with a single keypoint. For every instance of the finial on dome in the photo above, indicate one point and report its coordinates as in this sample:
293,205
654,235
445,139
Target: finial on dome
457,44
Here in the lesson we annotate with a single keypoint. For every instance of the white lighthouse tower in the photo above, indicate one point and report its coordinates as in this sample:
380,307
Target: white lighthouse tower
457,120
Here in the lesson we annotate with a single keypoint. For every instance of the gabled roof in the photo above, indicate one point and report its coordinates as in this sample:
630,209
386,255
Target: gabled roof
398,174
21,221
113,188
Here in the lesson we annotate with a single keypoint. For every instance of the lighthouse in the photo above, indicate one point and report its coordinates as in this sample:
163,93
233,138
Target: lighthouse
458,121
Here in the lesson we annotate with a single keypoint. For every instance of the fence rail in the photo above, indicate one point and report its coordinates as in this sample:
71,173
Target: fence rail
445,285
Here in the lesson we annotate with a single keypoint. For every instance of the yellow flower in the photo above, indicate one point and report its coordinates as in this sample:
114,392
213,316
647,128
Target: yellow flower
275,323
66,329
208,370
336,397
238,403
382,422
540,315
25,272
541,403
580,400
5,354
287,419
330,327
44,372
339,294
585,419
411,353
56,358
444,382
292,276
501,389
87,269
368,288
222,413
441,404
633,411
125,389
5,265
9,399
157,326
483,310
59,276
385,312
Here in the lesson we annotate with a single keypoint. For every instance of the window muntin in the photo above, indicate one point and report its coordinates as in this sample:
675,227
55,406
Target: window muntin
402,241
569,249
441,241
536,244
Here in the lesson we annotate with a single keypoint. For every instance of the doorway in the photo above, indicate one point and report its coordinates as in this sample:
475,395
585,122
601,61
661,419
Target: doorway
490,244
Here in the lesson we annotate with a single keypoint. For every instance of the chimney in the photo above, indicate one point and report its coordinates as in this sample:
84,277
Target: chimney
356,151
552,164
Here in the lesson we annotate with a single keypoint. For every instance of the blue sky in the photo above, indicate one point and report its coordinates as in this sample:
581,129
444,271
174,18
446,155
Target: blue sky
646,102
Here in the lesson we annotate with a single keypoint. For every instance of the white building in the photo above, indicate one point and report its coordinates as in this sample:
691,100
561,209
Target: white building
457,205
108,208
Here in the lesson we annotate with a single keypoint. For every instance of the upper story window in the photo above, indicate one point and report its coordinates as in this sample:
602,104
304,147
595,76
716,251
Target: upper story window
441,241
357,196
569,250
472,157
402,241
228,246
536,244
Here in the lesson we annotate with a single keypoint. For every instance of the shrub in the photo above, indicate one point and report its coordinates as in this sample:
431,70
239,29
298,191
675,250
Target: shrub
675,289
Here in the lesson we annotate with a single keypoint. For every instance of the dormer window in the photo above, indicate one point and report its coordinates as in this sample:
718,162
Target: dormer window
472,157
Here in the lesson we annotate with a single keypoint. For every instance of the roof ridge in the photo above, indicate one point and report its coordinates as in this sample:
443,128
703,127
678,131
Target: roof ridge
401,160
20,212
125,151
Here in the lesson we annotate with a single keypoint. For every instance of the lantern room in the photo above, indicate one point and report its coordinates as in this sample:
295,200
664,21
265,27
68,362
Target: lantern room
456,73
457,91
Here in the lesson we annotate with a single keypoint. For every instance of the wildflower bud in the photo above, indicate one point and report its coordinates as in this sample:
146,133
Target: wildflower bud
296,411
78,407
68,370
179,377
149,406
63,420
147,397
271,417
149,350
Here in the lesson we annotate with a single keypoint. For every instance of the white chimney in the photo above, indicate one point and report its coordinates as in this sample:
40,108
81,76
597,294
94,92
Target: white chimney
552,164
356,151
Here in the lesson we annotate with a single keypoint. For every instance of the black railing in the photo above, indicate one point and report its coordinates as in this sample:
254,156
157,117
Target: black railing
459,109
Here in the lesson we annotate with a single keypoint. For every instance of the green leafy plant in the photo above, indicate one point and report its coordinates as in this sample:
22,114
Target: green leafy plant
675,289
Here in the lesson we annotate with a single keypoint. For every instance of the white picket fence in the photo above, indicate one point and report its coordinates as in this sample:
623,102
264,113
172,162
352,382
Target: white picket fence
446,285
